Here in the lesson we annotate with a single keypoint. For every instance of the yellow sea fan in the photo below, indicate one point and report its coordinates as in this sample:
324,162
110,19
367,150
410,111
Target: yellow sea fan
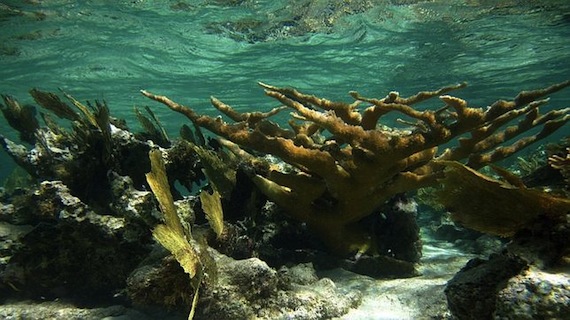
179,247
212,206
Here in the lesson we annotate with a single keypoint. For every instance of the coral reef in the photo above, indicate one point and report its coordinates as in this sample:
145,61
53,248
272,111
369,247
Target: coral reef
344,164
83,223
47,229
339,175
245,289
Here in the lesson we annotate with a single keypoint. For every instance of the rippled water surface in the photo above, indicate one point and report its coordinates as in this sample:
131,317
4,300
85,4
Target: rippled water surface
190,50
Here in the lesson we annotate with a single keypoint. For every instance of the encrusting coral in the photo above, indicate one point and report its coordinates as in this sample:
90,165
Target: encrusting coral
346,165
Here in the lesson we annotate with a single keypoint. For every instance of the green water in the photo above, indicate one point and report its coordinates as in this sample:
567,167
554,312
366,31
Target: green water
190,50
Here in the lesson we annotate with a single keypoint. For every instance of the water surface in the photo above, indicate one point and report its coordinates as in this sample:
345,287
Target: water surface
190,50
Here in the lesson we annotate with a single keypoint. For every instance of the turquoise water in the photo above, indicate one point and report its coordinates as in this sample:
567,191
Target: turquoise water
190,50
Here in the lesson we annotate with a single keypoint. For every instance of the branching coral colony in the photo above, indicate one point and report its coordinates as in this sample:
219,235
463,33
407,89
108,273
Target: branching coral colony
346,164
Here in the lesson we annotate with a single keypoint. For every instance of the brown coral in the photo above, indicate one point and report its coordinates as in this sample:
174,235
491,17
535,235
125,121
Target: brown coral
343,178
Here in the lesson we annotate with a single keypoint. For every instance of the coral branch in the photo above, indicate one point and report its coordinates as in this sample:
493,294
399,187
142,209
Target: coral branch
250,117
347,112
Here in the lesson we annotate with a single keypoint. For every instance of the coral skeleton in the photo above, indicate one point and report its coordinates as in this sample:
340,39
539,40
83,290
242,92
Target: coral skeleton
346,164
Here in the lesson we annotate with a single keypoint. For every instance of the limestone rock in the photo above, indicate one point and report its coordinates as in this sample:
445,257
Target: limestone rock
471,292
245,289
535,294
250,288
62,248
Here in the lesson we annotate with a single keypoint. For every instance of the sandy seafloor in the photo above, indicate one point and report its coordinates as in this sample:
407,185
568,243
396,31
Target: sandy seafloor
420,297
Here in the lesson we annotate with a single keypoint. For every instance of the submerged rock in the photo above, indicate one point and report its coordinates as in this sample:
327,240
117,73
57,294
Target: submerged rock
535,294
503,288
251,289
62,248
529,279
59,310
245,289
471,293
